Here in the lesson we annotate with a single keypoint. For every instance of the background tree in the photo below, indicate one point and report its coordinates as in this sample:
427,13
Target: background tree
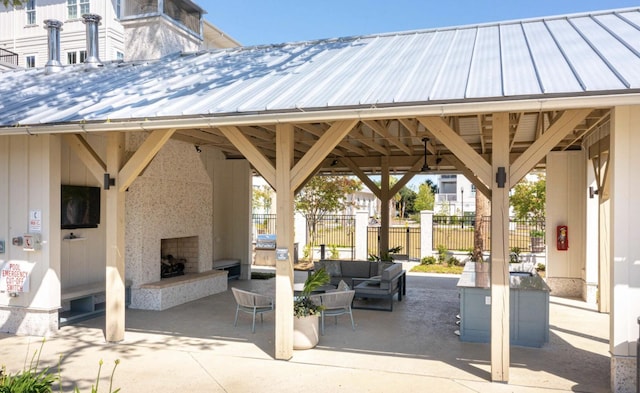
425,198
15,3
528,199
483,209
262,199
323,195
407,202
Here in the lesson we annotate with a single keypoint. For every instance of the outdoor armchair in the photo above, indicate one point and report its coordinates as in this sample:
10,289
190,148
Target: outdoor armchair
335,303
251,303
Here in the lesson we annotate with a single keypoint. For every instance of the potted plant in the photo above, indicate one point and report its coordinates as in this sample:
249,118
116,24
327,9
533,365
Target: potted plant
537,240
306,321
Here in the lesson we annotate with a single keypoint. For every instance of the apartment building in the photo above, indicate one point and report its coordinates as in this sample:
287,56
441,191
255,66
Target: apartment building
131,30
456,195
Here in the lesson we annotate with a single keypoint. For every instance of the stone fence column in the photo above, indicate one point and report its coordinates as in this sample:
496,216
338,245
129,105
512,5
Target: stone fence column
362,222
426,233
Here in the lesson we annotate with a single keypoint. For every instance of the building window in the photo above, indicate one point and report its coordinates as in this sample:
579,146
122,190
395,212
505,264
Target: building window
77,8
31,61
31,12
72,9
84,7
118,8
119,55
72,58
76,57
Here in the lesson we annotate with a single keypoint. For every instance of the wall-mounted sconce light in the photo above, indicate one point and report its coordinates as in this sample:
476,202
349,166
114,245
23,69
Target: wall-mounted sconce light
501,177
334,163
108,181
198,149
592,192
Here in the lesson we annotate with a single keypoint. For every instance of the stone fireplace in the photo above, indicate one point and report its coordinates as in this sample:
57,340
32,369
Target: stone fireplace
179,255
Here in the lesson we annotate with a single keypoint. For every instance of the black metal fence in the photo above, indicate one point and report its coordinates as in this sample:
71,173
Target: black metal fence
451,232
263,223
457,233
335,231
407,238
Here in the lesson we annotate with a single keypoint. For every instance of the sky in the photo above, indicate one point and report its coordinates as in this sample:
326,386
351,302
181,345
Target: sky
258,22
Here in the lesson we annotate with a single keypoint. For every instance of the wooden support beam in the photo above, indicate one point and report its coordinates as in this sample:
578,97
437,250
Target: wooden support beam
87,155
480,186
115,225
284,229
369,142
318,152
385,197
251,153
405,179
318,132
142,157
500,251
564,124
373,187
384,132
445,134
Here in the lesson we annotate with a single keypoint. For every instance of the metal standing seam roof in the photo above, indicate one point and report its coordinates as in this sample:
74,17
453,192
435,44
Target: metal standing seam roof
561,56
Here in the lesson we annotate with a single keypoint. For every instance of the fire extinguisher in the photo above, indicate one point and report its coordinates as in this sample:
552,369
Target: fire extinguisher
562,237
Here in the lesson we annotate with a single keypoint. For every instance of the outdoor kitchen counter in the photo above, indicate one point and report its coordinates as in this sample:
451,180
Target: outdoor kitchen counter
528,305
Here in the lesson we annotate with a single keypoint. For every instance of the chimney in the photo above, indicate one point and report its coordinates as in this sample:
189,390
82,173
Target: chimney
92,21
53,40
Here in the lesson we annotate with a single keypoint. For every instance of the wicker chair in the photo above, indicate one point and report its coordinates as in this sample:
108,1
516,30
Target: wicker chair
335,303
251,303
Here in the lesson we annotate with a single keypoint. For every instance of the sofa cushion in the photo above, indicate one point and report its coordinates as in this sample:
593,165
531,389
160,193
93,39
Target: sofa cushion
382,266
332,267
388,274
359,269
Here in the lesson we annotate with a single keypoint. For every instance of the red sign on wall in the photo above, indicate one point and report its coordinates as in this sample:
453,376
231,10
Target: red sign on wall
13,278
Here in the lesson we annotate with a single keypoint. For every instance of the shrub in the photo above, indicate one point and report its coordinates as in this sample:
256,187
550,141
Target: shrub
29,380
453,261
541,267
335,254
442,252
32,381
431,260
514,256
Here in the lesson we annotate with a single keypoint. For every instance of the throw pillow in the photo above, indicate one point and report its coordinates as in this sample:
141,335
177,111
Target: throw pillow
343,286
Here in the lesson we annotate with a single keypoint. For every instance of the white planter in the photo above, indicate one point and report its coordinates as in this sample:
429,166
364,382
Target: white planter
306,332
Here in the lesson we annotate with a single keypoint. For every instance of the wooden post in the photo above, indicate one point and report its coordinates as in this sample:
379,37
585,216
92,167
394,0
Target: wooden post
284,239
115,279
500,249
384,206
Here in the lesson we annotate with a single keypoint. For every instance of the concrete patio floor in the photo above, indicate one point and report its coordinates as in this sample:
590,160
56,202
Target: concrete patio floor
196,347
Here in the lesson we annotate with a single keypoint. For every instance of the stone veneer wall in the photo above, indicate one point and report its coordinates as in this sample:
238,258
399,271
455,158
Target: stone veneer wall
566,287
172,198
23,321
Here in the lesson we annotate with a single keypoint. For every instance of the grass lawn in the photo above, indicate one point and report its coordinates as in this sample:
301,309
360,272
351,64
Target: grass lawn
437,268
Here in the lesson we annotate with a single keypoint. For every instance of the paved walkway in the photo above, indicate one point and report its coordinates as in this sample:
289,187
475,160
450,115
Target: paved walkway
194,347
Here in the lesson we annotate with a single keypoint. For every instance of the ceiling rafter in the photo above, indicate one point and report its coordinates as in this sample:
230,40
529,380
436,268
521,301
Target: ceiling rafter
384,132
318,131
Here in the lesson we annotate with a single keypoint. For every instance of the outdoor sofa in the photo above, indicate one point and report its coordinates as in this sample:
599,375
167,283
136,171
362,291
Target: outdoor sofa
370,279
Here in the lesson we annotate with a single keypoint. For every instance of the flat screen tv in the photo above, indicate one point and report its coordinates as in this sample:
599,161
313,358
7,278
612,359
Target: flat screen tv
80,207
